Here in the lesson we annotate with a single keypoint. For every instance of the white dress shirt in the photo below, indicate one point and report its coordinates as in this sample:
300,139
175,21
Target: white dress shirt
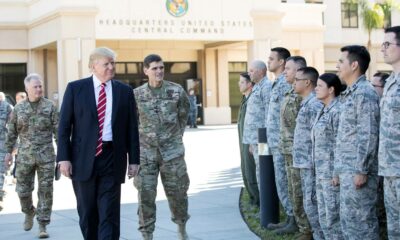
107,129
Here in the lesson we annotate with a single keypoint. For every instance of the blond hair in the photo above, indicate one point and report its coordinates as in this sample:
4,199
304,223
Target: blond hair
101,52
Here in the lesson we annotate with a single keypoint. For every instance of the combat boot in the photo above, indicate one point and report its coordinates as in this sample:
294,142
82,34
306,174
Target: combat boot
273,226
147,236
42,231
182,234
303,236
28,223
291,227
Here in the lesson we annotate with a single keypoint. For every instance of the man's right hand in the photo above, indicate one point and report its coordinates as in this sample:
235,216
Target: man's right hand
65,168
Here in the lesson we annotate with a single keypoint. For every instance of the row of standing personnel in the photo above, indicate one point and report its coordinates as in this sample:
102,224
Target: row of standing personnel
324,142
104,129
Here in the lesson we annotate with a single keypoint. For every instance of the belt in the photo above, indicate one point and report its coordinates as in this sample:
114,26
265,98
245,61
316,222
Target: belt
107,144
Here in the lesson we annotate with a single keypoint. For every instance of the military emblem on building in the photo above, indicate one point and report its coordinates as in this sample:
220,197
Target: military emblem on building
177,8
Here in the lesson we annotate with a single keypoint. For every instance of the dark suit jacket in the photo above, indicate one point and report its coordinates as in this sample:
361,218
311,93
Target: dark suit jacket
78,128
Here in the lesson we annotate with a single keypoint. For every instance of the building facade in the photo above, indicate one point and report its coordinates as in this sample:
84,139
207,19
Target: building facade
204,44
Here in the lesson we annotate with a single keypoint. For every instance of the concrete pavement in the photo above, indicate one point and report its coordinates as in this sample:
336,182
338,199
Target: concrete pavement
212,156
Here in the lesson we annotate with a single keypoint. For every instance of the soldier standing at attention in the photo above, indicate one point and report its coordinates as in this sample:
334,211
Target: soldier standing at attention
306,80
276,65
5,110
247,163
163,109
35,122
356,160
290,107
389,135
257,110
323,136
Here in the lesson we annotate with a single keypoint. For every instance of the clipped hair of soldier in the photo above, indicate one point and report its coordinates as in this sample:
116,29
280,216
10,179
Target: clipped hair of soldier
30,77
101,52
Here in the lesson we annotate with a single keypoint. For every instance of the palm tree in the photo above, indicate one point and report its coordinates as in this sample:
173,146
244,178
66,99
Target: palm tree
372,16
387,7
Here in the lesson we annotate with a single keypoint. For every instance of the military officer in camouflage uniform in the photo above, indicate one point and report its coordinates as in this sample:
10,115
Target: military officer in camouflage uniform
288,114
276,65
257,109
323,136
247,163
389,135
356,151
35,122
306,80
163,109
5,110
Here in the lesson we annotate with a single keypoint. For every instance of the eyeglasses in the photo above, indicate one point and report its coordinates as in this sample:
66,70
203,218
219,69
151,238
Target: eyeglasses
299,79
387,44
379,86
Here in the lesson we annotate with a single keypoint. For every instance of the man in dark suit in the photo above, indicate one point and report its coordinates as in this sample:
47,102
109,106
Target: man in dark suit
97,129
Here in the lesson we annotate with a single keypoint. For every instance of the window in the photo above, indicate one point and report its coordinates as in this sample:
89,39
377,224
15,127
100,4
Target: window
349,15
12,79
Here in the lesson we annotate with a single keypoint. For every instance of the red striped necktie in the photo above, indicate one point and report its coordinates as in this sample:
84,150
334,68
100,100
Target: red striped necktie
101,114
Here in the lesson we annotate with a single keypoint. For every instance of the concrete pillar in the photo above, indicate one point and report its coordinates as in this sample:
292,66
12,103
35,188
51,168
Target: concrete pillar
216,110
267,23
72,59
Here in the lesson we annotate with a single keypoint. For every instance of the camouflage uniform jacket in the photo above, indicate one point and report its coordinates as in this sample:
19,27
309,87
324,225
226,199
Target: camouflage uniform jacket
279,88
257,111
290,108
162,118
34,127
5,110
302,145
324,134
389,132
357,137
241,115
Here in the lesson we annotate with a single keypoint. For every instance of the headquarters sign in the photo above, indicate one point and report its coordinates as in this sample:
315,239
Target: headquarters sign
173,20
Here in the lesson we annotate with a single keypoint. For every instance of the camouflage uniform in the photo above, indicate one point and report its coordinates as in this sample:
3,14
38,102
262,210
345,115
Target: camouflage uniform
256,115
323,134
248,164
279,88
302,159
356,153
290,108
35,124
389,152
163,114
5,110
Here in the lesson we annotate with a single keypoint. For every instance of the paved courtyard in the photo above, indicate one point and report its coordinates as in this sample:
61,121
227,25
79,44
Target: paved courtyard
212,156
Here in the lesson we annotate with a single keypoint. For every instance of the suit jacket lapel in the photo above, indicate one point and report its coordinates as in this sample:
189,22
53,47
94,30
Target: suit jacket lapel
115,103
90,97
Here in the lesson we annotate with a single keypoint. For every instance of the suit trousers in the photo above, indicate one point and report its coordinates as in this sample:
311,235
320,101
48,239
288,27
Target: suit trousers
98,200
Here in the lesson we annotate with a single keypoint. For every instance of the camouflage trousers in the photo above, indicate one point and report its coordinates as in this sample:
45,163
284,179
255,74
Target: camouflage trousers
3,171
296,195
248,167
43,165
175,180
310,201
328,197
358,208
392,204
381,211
281,181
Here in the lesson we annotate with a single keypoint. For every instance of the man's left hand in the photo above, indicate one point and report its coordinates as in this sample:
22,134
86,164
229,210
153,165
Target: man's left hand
133,170
359,180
